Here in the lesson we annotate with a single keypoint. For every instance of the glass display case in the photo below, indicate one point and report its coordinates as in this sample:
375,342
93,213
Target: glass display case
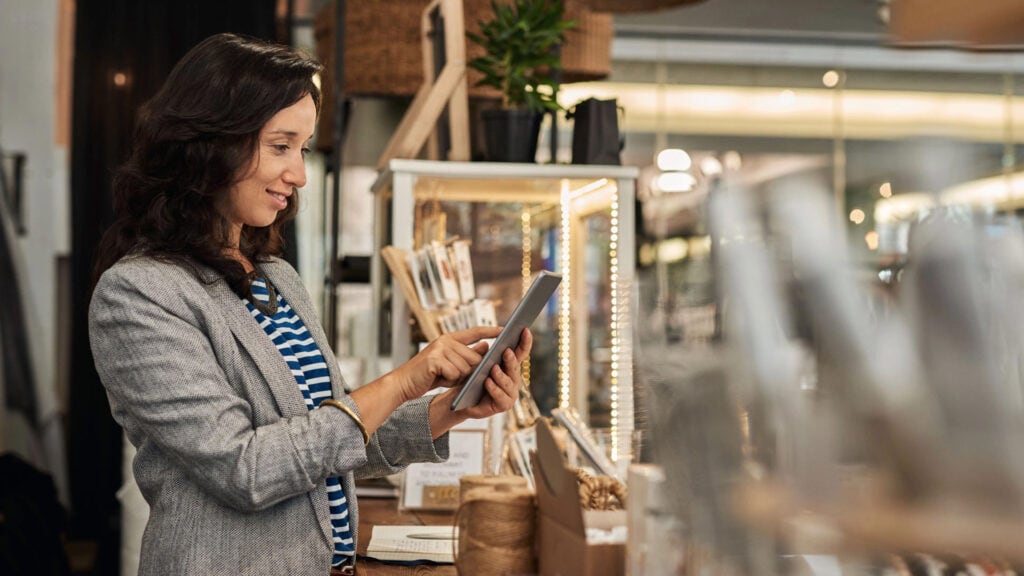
517,220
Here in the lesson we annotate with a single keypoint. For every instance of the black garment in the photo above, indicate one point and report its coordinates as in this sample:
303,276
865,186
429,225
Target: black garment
32,522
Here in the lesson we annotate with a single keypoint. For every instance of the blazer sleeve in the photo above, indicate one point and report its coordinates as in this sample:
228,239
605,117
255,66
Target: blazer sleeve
167,387
403,439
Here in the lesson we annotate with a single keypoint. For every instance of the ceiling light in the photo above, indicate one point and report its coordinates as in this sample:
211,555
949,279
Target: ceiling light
755,111
675,182
885,190
830,79
732,160
673,159
673,250
710,166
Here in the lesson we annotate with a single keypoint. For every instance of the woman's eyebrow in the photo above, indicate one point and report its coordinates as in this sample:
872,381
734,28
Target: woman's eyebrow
289,133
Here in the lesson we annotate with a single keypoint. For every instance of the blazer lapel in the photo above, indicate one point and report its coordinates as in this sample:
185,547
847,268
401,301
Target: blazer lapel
294,292
297,297
263,352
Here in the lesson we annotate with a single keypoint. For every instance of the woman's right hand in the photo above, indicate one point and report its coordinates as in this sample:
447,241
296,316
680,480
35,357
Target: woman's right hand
444,362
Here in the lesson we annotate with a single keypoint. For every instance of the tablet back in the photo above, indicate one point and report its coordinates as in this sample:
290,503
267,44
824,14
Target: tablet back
526,311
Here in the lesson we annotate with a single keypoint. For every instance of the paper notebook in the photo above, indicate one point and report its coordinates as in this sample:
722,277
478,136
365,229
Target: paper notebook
412,544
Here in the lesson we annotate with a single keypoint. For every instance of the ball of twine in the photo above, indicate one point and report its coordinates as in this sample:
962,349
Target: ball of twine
496,531
600,492
469,482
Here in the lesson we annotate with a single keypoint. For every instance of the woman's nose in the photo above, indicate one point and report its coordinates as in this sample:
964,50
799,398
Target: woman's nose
295,175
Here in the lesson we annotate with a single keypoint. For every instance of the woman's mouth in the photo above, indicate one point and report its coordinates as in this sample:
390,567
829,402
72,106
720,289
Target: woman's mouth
281,199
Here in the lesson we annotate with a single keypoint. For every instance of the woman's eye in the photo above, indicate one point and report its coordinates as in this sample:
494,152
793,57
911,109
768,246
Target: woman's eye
282,148
305,151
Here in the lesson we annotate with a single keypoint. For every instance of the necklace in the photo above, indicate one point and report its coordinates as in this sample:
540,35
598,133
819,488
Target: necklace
270,308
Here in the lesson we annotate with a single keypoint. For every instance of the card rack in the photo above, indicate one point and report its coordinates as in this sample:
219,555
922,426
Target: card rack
396,259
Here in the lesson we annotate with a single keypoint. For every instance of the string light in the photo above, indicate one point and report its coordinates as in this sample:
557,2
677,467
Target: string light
620,404
613,255
527,229
565,303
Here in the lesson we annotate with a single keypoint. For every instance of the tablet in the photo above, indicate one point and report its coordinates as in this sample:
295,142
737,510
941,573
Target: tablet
524,314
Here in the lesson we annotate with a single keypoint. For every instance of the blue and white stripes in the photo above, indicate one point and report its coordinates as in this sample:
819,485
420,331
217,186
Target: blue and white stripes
300,352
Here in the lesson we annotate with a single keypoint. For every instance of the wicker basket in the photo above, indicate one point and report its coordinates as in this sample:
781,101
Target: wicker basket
383,55
587,53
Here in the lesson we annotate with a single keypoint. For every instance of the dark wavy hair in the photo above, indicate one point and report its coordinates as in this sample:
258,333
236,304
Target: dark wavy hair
193,140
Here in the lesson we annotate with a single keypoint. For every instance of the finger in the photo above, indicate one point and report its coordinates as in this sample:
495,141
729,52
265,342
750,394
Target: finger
512,364
455,358
472,335
469,353
500,398
525,343
448,346
509,382
501,377
448,371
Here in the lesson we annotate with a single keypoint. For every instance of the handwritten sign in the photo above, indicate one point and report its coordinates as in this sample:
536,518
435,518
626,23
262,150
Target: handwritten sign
435,486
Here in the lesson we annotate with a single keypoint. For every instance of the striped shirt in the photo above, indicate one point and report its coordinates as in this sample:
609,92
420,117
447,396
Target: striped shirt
300,352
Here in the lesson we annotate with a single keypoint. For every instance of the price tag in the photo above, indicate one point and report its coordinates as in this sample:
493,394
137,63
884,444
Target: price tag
440,497
435,486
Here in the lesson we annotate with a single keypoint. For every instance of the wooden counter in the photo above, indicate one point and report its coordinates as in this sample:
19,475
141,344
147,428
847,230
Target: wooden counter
384,512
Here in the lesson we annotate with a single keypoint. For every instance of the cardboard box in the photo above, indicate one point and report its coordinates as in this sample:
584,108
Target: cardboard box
562,546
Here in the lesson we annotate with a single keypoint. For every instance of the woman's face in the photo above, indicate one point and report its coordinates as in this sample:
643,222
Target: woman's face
277,169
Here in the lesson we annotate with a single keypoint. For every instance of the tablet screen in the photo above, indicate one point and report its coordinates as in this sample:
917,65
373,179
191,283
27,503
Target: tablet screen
522,317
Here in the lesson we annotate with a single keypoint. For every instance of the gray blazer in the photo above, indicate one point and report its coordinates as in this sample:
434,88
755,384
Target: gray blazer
229,459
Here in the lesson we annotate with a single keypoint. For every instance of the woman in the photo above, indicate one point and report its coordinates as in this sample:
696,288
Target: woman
210,351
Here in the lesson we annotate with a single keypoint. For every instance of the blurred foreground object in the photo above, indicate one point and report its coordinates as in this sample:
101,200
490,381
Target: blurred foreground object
812,426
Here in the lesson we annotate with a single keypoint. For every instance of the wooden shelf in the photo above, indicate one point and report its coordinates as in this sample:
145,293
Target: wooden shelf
395,258
878,524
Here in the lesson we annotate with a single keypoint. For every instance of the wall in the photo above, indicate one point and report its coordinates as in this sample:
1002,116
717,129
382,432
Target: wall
827,21
28,123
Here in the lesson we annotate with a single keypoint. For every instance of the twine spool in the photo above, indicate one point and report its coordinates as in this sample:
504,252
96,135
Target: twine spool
601,492
496,531
467,483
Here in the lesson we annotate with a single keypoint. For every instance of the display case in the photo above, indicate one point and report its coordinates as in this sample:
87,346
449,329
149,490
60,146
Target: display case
519,219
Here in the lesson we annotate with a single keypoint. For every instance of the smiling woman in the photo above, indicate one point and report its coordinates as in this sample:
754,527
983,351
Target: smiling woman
277,171
209,347
199,142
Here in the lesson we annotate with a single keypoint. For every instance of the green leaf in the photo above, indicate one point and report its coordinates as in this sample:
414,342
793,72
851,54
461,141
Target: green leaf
519,43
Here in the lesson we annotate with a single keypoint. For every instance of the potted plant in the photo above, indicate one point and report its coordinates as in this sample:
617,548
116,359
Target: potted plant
521,52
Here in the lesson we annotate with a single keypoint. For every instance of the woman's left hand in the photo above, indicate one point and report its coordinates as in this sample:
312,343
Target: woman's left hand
502,386
503,382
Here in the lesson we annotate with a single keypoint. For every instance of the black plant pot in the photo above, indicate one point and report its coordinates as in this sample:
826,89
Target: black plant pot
511,135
